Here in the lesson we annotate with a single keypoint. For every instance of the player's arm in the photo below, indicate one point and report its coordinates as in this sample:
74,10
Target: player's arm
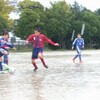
29,39
50,41
8,45
74,43
82,43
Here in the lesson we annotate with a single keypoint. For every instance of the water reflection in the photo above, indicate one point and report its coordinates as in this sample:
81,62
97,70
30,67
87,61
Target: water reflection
37,86
63,80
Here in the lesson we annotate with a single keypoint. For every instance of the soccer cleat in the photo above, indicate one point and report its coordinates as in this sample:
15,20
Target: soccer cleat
0,72
81,62
35,69
46,66
3,72
73,60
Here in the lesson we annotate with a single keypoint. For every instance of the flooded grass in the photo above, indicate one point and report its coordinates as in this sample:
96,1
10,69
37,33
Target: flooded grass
63,80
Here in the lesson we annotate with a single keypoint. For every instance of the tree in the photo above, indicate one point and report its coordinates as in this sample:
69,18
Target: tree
90,19
3,24
97,11
57,22
30,17
92,26
5,10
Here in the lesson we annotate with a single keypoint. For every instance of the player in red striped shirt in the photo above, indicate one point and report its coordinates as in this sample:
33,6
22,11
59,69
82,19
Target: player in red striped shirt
37,39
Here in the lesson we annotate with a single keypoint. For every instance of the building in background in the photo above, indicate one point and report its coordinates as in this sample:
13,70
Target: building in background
15,40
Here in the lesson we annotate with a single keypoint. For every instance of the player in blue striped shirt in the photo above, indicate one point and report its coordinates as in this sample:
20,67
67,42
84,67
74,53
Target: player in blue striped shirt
78,44
4,47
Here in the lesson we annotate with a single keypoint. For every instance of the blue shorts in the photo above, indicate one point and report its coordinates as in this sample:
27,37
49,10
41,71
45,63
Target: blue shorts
1,54
35,52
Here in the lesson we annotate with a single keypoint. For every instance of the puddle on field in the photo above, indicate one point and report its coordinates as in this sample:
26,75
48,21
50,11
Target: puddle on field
63,80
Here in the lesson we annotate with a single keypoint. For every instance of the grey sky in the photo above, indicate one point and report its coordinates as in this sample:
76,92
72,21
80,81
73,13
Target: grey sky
89,4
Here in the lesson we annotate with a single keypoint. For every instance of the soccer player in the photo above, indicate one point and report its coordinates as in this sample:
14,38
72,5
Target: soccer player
4,47
78,44
38,39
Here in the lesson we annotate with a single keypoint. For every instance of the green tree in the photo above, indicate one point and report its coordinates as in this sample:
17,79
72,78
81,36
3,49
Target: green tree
5,10
3,24
92,27
30,17
91,20
57,22
98,11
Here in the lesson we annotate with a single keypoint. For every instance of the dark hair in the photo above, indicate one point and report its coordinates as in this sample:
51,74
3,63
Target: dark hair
38,29
79,34
5,32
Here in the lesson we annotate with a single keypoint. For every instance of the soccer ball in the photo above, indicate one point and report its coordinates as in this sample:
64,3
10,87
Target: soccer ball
11,70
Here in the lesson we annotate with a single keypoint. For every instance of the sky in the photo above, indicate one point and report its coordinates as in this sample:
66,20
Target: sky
89,4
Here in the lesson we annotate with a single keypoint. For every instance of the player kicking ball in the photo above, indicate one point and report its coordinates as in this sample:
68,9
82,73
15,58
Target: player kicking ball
4,47
38,39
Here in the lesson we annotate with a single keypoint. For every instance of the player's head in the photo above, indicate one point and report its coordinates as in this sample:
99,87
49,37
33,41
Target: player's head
37,30
5,34
79,35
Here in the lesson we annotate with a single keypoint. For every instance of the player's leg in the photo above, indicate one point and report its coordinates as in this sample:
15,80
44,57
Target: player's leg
34,56
1,67
75,57
5,59
40,55
34,64
80,60
2,52
79,53
76,54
